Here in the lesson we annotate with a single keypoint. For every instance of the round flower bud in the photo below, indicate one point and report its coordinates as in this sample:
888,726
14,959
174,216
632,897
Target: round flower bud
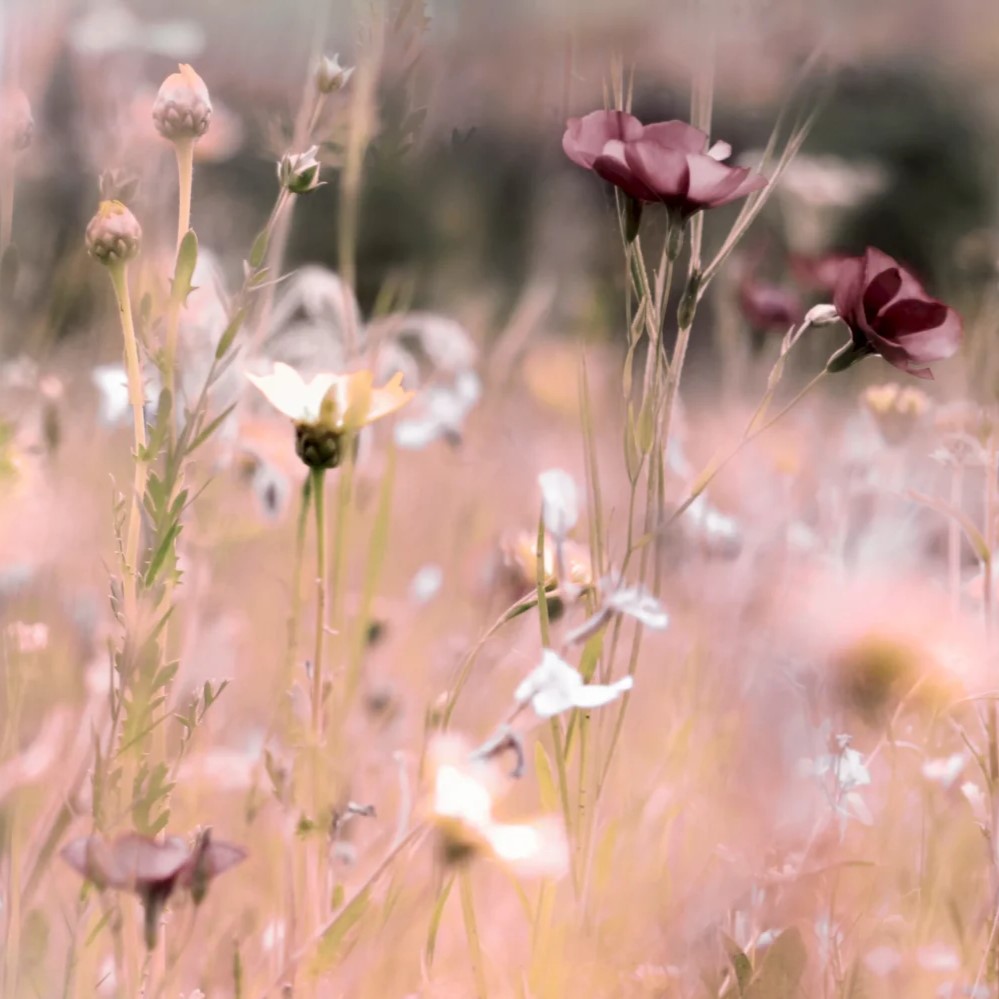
299,172
331,76
182,109
16,123
114,234
318,445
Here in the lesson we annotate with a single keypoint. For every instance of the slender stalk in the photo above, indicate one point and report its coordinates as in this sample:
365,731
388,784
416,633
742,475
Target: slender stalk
296,591
119,279
472,934
319,500
184,148
6,200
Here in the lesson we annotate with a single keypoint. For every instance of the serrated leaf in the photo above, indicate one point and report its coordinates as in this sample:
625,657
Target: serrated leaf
183,272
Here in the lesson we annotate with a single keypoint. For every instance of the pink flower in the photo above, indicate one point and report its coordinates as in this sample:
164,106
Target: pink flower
668,162
889,313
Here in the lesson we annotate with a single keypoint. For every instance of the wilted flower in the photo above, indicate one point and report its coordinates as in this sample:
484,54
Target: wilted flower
183,108
331,76
553,686
889,313
897,410
17,126
114,234
462,813
668,162
299,172
328,407
151,868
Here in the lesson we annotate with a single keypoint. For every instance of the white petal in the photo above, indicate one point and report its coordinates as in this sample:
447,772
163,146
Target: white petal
641,605
720,151
283,389
594,695
560,506
314,393
537,849
458,795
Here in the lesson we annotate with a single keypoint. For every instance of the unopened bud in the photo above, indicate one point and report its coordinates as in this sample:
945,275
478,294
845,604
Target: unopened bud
16,123
299,172
114,234
331,76
182,109
821,315
318,446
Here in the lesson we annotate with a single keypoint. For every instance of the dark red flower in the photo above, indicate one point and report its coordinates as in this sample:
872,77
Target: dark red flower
151,868
668,162
889,313
769,306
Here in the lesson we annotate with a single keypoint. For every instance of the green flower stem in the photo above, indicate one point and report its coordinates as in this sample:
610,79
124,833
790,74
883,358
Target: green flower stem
472,934
319,500
119,280
184,148
296,590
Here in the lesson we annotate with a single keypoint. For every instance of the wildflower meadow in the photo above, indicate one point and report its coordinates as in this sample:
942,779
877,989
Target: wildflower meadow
498,500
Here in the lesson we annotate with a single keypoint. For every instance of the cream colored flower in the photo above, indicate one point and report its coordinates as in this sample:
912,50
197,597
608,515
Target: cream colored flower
462,812
291,395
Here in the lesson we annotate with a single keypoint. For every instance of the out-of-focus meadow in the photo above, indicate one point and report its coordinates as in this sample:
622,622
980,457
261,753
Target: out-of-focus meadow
475,518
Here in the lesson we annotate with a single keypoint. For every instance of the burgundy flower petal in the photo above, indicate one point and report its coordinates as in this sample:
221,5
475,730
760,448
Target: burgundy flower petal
928,330
90,856
880,292
749,183
585,137
676,135
662,171
144,861
849,290
613,168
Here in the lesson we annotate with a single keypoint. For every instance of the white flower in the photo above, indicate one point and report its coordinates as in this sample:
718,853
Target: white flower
331,76
554,686
426,584
463,812
944,770
289,393
637,602
560,503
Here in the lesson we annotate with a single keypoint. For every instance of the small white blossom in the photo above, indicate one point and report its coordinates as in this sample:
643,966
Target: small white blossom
426,584
554,686
637,602
288,392
944,770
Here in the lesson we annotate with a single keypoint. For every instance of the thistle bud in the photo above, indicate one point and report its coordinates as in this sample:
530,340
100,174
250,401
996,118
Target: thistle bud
299,172
331,76
114,234
16,123
182,109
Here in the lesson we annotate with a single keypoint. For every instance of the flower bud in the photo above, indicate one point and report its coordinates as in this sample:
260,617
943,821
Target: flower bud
331,76
299,172
318,445
182,109
114,234
16,123
821,315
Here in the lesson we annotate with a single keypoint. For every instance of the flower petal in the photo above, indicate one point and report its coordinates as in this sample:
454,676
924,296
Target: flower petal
585,137
662,171
595,695
284,389
677,135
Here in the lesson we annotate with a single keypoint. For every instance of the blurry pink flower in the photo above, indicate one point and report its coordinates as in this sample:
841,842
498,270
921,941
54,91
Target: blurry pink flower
818,273
889,313
668,162
768,306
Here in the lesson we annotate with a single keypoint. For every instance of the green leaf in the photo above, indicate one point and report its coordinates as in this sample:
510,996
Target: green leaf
783,965
591,656
331,945
183,272
225,343
259,249
741,965
159,558
210,429
435,921
546,779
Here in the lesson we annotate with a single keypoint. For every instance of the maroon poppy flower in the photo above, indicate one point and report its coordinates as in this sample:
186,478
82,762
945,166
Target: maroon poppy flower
668,162
151,868
889,313
769,306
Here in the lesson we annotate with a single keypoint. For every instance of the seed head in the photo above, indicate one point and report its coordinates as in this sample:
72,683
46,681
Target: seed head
114,234
183,108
